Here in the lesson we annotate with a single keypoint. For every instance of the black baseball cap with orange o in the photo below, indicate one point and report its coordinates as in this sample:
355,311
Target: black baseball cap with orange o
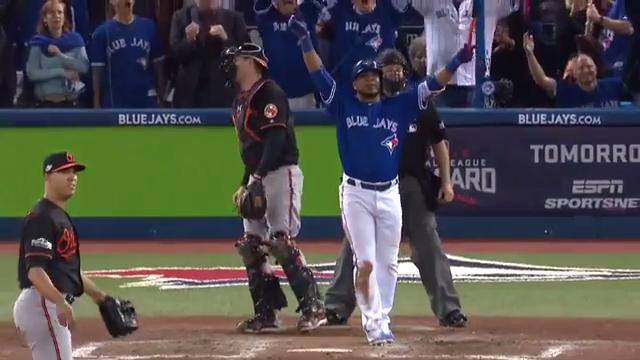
60,161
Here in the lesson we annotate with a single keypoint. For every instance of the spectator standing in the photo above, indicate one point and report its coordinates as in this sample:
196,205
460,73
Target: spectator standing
57,58
127,61
360,29
587,91
7,71
199,34
616,34
418,60
448,26
76,14
286,69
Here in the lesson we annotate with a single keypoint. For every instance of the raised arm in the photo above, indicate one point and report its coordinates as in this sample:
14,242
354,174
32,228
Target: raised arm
323,81
537,73
620,27
444,75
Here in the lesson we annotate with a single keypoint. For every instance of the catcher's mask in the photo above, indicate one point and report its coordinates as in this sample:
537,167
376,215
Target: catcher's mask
249,50
393,57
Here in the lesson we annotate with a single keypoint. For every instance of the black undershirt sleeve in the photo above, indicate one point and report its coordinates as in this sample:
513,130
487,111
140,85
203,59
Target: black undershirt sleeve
274,140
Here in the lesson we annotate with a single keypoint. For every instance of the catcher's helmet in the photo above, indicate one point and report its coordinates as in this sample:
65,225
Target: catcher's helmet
363,66
250,50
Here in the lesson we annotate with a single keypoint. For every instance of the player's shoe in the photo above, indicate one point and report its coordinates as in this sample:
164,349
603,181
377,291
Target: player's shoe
312,318
259,323
335,319
375,337
388,336
456,319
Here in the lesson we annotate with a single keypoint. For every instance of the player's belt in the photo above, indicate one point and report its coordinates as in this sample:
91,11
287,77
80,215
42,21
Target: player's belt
372,186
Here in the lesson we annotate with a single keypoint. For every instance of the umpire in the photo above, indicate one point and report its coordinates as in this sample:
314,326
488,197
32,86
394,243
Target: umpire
421,193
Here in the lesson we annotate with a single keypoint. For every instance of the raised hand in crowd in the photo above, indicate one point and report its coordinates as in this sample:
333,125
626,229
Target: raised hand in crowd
191,31
218,31
528,43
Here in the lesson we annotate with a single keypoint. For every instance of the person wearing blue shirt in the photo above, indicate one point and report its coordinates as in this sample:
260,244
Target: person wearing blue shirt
126,58
587,91
371,130
616,34
359,31
286,70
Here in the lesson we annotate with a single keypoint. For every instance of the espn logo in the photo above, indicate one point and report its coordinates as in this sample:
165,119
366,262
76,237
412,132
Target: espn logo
597,187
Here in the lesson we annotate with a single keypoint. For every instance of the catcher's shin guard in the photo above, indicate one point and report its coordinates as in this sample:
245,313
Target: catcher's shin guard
264,286
300,277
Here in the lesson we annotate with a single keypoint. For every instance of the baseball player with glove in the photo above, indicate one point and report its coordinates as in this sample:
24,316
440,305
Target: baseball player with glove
49,271
269,198
421,192
371,130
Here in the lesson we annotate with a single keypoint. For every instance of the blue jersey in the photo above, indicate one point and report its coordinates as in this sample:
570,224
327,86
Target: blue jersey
288,70
361,36
128,53
616,47
370,135
607,94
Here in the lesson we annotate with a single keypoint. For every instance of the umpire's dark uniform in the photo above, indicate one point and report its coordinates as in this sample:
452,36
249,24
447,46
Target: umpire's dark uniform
418,191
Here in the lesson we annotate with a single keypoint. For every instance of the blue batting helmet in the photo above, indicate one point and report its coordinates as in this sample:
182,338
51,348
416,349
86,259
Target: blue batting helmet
366,65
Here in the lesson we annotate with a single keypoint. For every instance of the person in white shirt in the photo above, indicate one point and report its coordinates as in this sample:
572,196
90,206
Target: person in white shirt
447,25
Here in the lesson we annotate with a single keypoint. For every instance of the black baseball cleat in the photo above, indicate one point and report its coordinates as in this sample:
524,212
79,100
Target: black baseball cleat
456,319
259,323
334,319
312,318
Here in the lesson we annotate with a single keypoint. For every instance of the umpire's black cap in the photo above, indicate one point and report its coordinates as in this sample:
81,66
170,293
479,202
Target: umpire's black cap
60,161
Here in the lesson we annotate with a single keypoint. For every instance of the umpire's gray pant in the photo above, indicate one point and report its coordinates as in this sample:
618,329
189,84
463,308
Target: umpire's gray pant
419,225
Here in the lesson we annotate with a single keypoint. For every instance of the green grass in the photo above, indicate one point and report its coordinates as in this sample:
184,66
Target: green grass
156,171
616,299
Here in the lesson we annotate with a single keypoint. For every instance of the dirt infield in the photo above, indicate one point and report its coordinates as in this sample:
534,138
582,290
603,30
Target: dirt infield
450,246
417,338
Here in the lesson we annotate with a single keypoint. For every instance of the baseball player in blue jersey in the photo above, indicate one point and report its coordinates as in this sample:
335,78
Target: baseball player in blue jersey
126,59
370,131
284,68
359,31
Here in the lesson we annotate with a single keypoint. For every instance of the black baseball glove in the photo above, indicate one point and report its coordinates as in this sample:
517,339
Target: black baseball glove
253,202
119,316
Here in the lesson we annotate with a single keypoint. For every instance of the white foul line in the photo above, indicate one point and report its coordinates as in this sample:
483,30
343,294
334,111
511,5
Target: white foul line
320,350
555,351
86,351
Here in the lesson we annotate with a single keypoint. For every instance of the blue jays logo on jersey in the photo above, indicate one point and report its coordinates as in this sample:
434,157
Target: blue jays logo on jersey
375,42
391,142
143,62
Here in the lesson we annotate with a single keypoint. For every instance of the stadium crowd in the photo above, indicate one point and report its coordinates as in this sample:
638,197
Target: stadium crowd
166,53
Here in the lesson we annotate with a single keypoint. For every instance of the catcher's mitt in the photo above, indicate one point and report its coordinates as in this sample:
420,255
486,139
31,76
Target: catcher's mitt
253,202
119,316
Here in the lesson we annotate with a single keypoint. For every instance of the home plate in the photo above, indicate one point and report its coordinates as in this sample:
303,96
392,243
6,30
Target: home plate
319,350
